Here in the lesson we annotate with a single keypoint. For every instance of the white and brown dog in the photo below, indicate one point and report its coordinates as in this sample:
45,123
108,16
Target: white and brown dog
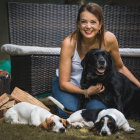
102,121
26,113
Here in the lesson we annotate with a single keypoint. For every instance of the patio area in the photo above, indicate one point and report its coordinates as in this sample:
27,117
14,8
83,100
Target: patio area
32,64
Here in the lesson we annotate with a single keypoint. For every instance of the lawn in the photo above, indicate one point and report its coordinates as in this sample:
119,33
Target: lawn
26,132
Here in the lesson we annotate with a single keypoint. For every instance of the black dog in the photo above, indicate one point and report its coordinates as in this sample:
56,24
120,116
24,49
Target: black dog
120,92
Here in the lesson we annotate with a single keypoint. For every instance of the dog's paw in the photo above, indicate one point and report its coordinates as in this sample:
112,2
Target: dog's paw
89,124
131,129
78,125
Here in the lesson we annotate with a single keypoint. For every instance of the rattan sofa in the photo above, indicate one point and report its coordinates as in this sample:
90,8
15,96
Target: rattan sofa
46,25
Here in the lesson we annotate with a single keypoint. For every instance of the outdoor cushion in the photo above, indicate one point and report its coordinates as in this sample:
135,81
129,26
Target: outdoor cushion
13,49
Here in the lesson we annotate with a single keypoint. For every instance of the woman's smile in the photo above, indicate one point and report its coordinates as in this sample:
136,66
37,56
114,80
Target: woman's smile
88,32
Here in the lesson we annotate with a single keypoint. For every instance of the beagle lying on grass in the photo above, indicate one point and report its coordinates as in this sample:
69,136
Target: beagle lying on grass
26,113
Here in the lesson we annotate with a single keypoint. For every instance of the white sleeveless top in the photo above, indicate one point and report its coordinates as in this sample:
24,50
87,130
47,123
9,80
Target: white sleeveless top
76,69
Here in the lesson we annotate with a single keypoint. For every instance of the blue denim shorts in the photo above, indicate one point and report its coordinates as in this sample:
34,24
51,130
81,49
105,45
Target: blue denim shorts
71,100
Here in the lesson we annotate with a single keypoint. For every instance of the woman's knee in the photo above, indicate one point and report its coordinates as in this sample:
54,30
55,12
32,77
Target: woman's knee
68,105
69,100
95,104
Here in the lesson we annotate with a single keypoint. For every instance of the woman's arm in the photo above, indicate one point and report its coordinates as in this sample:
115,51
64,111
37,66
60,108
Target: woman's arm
67,52
118,63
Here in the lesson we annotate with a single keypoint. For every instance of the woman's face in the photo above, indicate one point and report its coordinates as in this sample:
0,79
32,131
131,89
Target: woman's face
88,25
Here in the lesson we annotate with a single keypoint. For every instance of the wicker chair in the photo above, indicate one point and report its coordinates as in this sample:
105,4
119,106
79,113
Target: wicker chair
47,25
5,83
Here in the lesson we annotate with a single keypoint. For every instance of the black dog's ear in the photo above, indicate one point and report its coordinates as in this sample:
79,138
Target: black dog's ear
85,60
109,58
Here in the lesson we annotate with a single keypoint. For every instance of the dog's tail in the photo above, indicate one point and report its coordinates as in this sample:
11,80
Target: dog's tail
60,105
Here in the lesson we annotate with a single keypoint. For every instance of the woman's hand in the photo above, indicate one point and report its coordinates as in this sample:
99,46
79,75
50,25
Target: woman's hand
95,89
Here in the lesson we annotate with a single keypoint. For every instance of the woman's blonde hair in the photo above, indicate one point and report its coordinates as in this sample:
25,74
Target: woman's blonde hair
97,11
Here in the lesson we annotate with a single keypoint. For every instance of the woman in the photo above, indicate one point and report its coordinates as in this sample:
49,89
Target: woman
90,34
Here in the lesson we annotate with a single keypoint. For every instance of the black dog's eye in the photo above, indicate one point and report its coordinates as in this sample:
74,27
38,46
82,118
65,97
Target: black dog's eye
103,54
95,54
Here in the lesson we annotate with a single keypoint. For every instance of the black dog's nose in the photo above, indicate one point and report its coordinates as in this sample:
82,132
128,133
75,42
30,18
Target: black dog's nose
62,129
101,62
104,133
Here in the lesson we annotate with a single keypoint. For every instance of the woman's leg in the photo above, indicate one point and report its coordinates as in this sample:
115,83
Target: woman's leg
95,104
70,101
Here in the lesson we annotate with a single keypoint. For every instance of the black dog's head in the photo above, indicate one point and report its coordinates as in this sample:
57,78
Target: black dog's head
97,61
96,65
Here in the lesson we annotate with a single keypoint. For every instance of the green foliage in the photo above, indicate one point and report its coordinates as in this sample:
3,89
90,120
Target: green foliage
5,65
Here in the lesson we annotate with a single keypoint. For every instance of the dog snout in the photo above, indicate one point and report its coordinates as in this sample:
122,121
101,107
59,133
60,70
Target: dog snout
62,130
104,133
101,61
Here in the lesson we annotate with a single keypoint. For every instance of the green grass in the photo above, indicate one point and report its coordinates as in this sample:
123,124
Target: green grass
26,132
